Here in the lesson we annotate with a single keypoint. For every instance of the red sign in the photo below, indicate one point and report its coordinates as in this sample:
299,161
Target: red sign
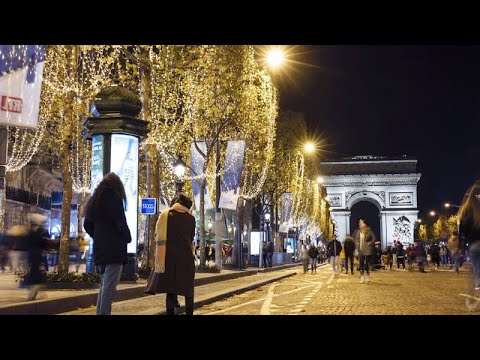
11,104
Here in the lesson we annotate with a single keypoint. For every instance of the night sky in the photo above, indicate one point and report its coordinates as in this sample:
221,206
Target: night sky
422,101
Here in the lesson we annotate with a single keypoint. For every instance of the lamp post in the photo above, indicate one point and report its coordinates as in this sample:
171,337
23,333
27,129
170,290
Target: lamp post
179,168
116,131
267,226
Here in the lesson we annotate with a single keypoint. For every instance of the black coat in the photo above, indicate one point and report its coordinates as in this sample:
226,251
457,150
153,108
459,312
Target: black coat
109,229
349,246
179,275
334,248
37,241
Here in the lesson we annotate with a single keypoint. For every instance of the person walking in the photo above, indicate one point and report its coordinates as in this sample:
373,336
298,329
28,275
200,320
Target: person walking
105,222
334,248
469,215
304,257
365,238
349,246
313,254
174,262
37,242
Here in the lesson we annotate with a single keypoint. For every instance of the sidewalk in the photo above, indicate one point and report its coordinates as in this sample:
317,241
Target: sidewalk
49,302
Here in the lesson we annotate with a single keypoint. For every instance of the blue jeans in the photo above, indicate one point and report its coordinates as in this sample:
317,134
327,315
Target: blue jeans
474,251
108,287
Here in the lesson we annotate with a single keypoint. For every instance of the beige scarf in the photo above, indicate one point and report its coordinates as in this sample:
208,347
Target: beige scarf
161,232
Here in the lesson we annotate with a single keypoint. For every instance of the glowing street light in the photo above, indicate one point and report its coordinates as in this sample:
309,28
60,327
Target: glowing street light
432,213
320,180
275,58
419,221
179,169
448,205
309,147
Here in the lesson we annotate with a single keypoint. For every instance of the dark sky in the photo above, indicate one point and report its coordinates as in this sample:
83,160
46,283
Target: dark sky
422,101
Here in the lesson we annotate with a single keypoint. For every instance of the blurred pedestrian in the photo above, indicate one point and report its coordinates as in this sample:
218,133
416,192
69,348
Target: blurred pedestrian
453,245
105,222
365,238
37,242
349,246
304,257
174,262
313,253
469,215
17,243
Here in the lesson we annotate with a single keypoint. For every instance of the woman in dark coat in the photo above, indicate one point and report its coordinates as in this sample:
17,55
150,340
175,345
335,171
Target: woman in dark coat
105,222
175,270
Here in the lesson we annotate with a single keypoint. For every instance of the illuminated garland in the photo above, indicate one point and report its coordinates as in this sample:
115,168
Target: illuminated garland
25,141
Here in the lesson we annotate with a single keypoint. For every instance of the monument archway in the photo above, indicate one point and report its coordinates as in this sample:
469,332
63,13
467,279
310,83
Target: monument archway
368,211
390,183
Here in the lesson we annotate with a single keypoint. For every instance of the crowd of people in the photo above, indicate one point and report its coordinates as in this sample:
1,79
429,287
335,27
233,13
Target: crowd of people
24,249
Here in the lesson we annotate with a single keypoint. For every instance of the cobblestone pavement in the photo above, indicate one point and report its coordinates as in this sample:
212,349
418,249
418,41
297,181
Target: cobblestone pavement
389,293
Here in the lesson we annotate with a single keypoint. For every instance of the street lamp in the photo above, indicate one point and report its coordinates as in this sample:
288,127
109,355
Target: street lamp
309,147
432,213
275,58
179,168
267,226
320,180
447,205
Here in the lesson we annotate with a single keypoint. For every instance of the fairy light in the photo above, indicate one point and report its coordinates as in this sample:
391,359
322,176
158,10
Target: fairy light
25,141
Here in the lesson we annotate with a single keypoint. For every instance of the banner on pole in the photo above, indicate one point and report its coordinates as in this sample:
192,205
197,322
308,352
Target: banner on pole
232,176
21,69
197,162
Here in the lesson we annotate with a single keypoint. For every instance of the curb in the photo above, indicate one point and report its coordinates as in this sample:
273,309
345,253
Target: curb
227,294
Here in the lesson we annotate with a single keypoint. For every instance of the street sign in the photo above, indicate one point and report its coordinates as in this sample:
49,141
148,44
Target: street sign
149,206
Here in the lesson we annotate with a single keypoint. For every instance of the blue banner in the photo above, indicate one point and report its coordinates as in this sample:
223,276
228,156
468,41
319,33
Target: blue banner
21,69
197,162
232,176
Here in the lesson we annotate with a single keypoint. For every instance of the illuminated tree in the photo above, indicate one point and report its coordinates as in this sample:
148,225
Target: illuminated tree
72,76
422,232
440,229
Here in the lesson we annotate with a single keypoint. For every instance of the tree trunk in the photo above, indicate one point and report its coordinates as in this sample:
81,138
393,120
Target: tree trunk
65,147
3,207
203,184
81,205
67,190
152,191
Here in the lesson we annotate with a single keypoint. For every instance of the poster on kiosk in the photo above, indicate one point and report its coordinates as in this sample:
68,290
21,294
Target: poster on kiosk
124,163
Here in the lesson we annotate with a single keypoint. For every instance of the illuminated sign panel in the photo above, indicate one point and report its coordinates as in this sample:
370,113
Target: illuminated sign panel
149,206
124,163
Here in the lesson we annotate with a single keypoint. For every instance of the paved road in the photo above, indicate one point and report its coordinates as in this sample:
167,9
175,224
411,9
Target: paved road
152,305
389,293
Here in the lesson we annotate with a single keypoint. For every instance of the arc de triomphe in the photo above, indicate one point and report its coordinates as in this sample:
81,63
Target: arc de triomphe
390,183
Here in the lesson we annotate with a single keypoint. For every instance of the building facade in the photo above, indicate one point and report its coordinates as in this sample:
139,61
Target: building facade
30,190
